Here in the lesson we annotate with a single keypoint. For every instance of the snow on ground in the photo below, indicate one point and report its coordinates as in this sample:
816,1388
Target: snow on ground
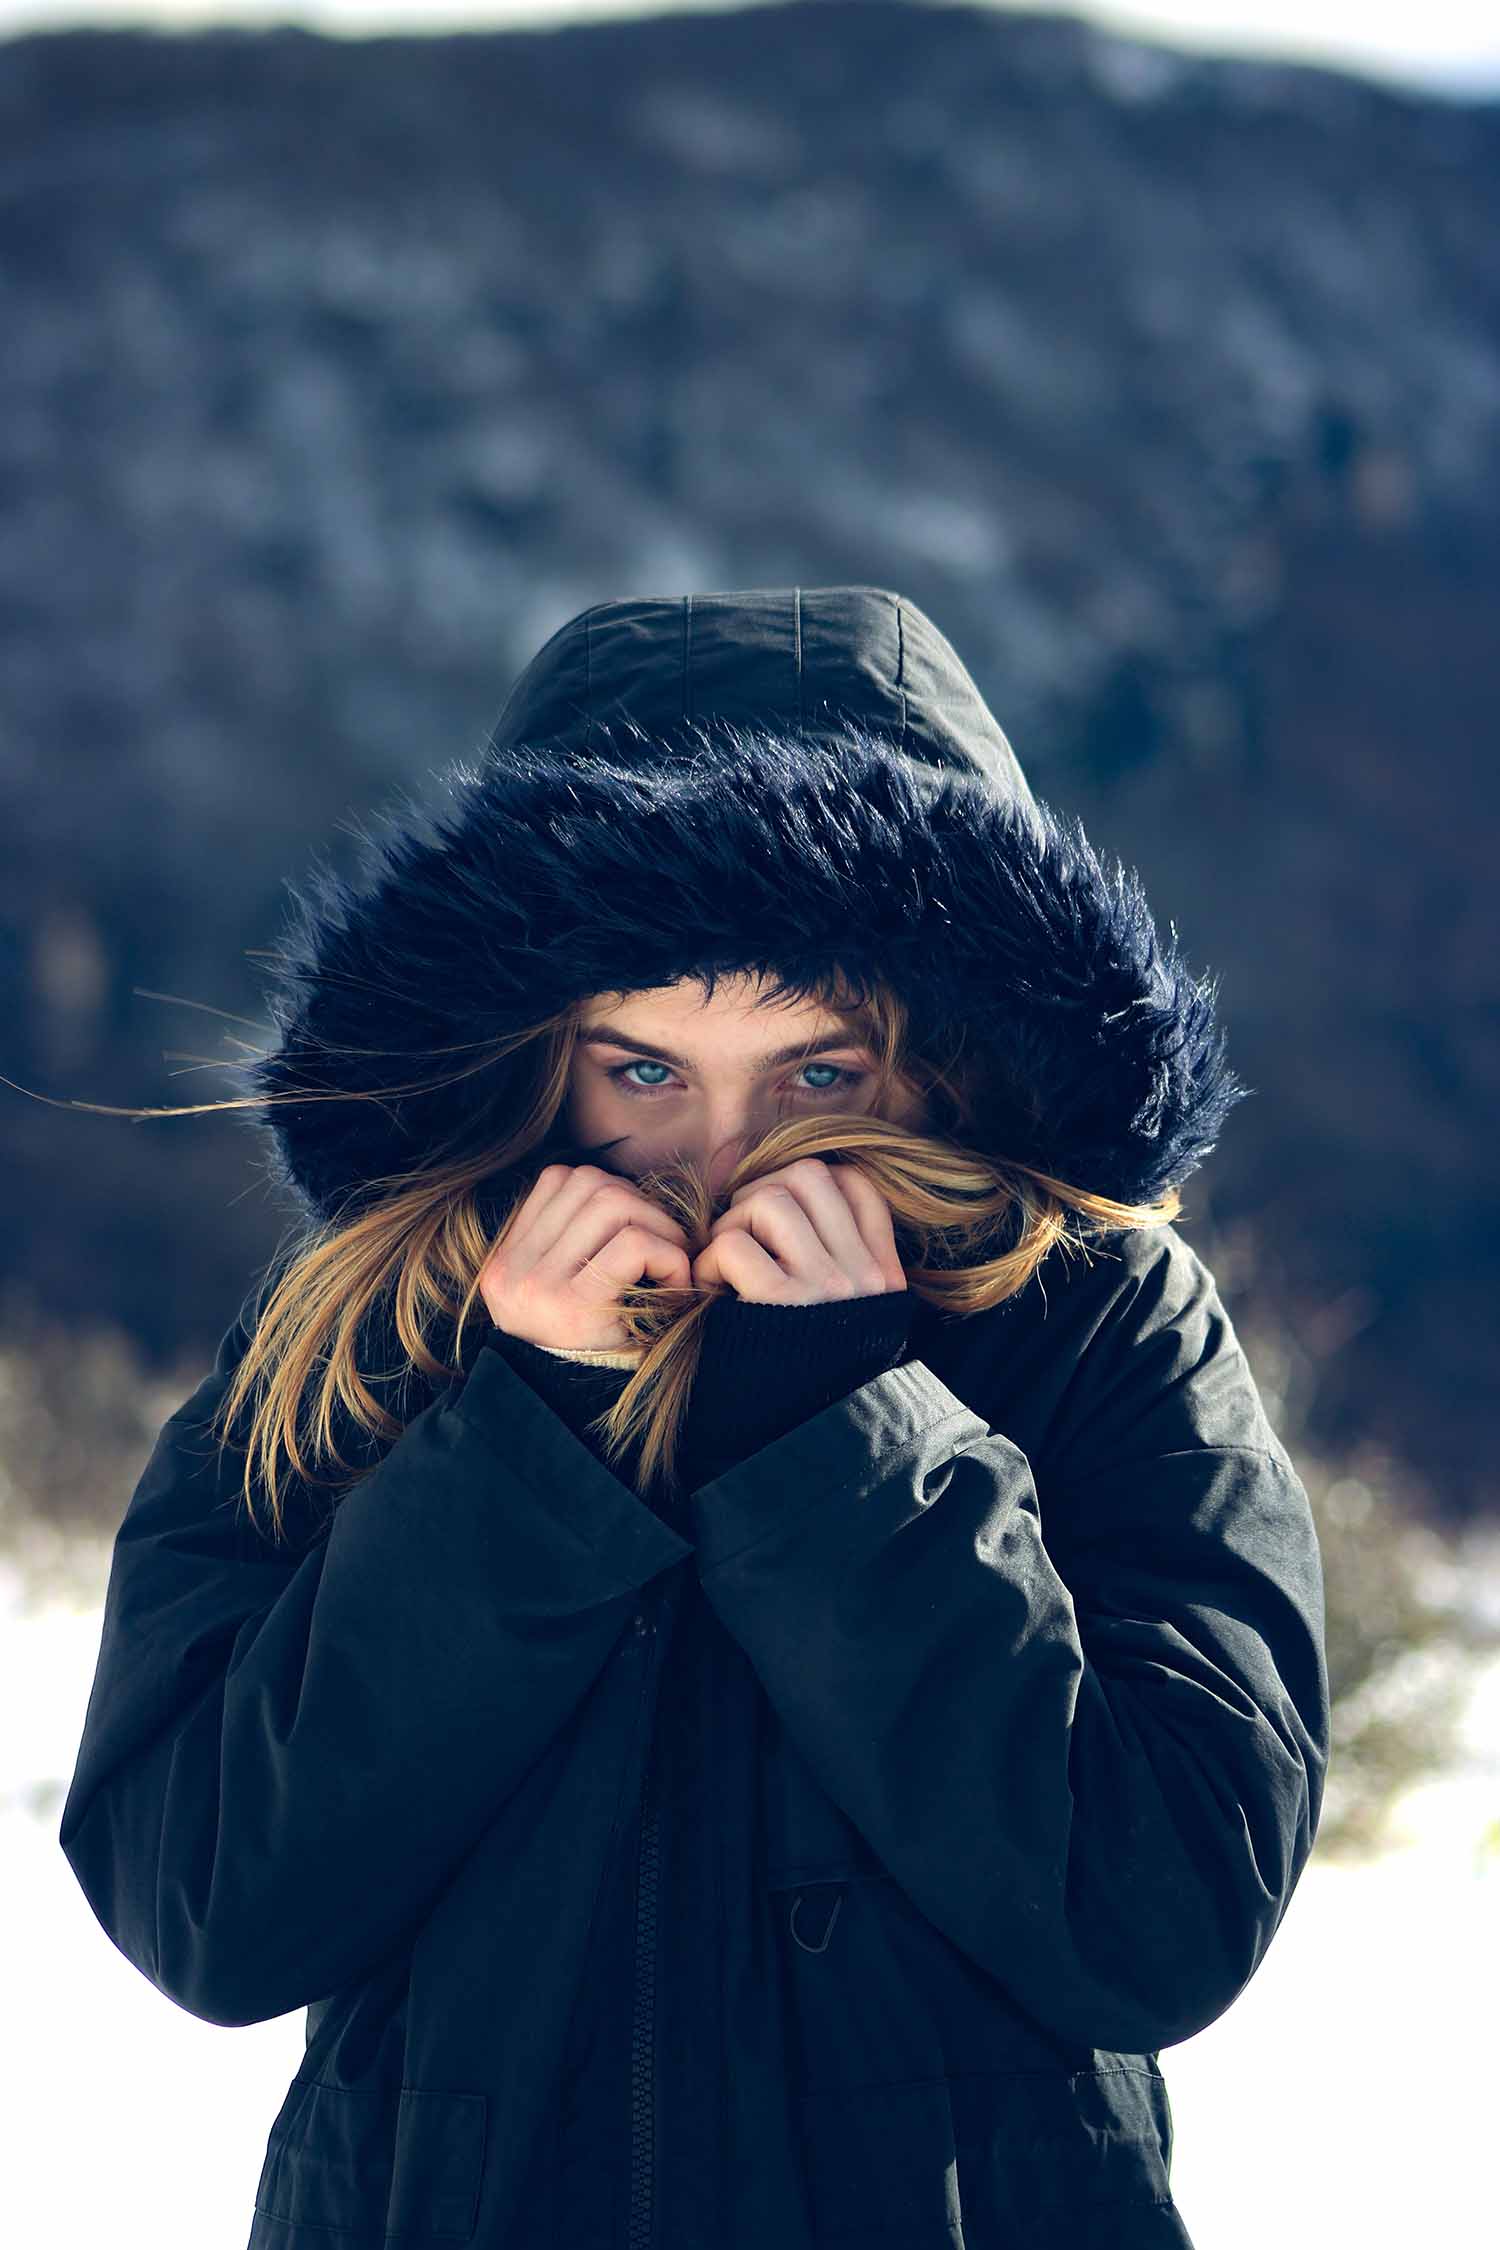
1346,2096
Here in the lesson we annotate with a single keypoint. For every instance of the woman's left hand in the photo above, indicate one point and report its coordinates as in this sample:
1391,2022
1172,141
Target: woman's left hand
805,1235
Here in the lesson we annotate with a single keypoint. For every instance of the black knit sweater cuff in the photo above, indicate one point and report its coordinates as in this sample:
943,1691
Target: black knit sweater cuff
762,1370
765,1368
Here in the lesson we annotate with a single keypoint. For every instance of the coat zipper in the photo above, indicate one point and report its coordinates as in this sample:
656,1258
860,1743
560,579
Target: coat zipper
643,2023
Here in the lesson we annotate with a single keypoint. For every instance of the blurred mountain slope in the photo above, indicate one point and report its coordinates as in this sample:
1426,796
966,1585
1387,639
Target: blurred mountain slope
338,374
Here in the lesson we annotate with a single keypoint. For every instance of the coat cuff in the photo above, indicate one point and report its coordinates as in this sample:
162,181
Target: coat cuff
838,1455
600,1511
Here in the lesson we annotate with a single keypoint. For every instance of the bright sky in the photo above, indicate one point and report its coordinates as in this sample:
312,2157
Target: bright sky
1441,46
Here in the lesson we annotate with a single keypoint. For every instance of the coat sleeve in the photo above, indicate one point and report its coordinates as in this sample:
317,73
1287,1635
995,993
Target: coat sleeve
288,1748
1084,1721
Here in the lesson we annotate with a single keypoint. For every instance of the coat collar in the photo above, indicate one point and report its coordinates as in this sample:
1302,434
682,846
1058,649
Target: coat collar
784,776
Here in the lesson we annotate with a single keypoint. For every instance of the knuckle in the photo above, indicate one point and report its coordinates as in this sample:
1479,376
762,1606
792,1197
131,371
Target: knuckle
648,1217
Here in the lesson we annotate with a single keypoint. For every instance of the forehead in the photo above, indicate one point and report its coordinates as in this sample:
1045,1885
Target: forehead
674,1025
739,999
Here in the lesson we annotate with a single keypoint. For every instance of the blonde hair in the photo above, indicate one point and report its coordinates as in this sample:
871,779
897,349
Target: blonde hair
972,1230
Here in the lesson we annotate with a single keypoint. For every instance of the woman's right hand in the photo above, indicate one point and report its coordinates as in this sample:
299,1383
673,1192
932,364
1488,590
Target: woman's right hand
579,1237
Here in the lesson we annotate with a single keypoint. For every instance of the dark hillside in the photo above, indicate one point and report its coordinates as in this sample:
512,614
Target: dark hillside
337,374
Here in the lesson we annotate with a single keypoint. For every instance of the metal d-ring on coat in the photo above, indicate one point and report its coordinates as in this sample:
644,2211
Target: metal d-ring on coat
822,1945
826,1854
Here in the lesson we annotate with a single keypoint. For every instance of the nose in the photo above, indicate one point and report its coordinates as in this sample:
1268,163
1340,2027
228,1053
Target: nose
723,1162
720,1145
723,1139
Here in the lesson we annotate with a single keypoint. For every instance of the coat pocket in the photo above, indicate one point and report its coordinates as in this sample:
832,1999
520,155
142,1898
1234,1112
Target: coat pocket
438,2165
809,1839
853,2016
880,2164
1055,2160
405,2162
1067,2159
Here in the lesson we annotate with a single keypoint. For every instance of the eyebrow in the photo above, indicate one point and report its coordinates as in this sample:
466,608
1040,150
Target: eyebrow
595,1035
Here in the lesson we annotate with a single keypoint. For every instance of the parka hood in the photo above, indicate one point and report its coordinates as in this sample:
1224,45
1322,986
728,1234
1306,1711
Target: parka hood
785,778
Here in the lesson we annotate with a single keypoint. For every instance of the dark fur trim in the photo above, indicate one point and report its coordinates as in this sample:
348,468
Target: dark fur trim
631,854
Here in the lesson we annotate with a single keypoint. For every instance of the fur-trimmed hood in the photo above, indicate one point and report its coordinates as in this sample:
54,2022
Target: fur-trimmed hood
787,777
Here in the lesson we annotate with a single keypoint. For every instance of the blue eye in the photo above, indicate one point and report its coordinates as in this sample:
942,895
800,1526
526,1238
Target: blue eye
620,1079
841,1081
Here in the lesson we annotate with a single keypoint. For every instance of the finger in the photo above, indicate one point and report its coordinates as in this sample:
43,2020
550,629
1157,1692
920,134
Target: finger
815,1184
737,1259
872,1215
592,1206
778,1219
818,1188
636,1253
544,1215
525,1211
592,1250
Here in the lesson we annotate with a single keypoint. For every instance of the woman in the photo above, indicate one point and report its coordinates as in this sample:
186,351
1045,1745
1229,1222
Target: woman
797,1705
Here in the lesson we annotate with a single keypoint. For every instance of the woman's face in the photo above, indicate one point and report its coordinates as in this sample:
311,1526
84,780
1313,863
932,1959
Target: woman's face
667,1076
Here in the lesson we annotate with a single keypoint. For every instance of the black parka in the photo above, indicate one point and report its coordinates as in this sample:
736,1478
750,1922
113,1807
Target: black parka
918,1777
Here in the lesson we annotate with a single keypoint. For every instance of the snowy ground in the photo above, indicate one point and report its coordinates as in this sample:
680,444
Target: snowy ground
1348,2095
